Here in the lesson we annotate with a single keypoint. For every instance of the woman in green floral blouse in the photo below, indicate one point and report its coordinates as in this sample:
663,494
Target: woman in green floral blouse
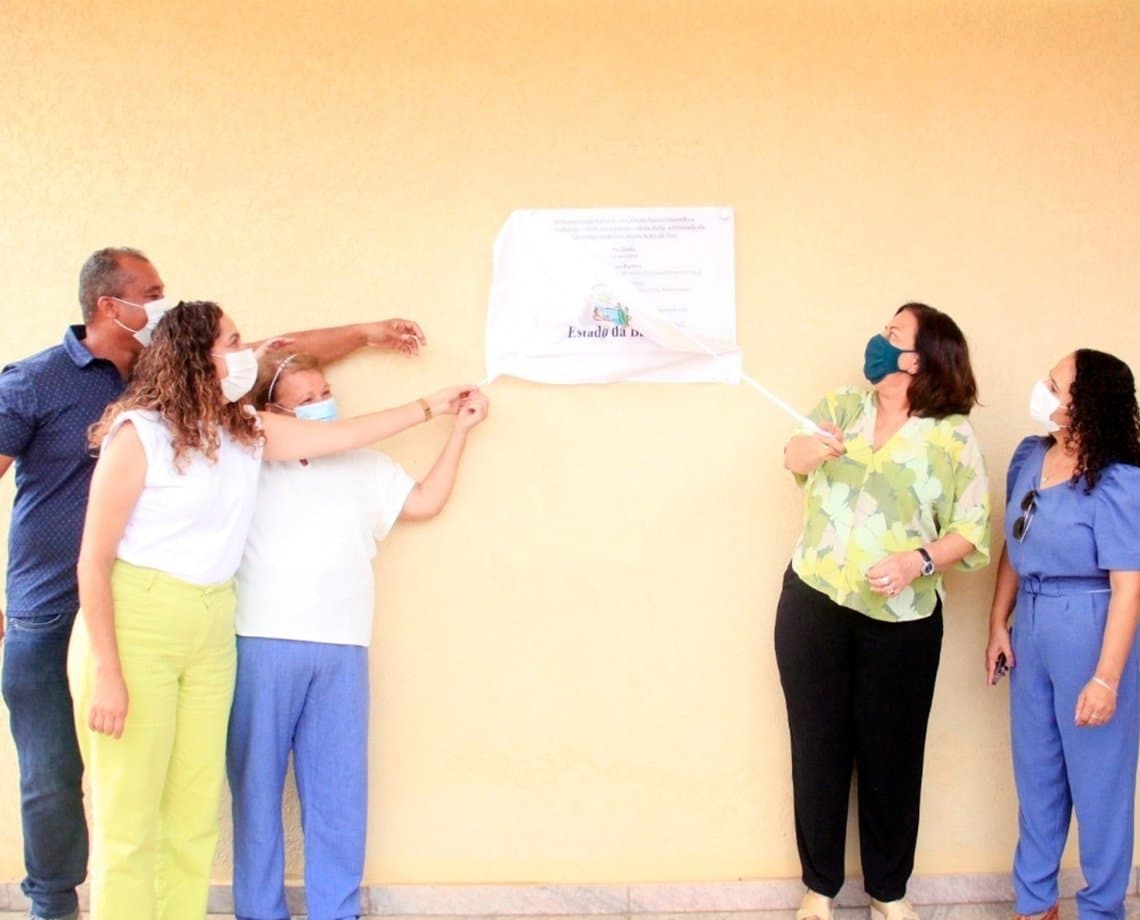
895,493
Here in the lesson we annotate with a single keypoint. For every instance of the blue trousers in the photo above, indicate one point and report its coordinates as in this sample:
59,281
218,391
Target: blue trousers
311,699
38,697
1058,767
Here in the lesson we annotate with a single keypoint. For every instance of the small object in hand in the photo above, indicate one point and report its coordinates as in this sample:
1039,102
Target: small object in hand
1001,669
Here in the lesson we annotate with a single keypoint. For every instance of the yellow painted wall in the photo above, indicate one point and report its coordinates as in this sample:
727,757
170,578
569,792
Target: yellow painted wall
574,677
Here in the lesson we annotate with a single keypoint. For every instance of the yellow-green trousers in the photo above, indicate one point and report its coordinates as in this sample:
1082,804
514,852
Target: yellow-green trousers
155,791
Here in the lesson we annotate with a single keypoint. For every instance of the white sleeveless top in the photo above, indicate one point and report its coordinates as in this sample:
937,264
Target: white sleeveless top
191,524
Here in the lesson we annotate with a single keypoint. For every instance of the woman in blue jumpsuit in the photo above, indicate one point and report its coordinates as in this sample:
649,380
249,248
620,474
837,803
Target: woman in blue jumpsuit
1071,566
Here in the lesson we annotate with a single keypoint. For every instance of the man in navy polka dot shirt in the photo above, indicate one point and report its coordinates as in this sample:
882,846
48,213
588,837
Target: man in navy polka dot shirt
47,403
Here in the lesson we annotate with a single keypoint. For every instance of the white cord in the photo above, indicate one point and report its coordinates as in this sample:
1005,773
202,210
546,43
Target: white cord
756,385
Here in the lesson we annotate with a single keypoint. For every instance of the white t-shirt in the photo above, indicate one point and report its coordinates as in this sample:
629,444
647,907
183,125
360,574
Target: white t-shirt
192,523
307,570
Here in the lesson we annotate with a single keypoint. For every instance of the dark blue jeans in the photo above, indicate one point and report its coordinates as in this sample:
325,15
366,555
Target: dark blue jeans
51,770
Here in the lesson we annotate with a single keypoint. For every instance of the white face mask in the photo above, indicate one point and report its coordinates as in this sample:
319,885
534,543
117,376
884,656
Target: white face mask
155,310
1043,402
241,373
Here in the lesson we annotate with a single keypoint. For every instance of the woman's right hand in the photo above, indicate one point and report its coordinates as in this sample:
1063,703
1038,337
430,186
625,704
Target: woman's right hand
832,441
108,711
999,644
805,452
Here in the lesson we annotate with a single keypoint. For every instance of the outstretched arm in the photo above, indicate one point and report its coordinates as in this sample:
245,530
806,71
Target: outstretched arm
288,438
336,342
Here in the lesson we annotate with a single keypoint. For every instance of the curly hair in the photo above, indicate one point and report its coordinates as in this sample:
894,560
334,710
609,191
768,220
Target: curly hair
1104,420
175,377
944,384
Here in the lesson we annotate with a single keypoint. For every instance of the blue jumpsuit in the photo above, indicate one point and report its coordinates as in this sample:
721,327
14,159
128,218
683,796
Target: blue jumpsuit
1063,564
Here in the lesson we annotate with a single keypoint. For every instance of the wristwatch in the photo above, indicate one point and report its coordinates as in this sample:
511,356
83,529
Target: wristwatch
927,561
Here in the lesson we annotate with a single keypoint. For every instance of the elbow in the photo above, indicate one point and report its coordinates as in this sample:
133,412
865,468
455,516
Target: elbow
796,469
792,463
1126,591
422,504
93,565
423,512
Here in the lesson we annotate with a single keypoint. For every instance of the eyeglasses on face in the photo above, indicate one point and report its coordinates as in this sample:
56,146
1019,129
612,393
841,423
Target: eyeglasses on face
1028,509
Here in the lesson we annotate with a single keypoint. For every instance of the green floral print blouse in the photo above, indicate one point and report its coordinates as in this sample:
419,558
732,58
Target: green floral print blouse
928,480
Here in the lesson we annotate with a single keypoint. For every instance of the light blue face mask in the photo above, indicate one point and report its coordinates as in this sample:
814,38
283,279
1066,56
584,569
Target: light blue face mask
323,411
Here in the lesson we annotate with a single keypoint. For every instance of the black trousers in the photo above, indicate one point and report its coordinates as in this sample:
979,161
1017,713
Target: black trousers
858,693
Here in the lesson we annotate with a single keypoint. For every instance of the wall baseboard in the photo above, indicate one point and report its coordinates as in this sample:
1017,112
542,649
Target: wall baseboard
626,899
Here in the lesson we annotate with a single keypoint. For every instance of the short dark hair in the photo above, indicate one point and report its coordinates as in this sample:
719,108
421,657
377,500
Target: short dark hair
102,276
944,383
1103,415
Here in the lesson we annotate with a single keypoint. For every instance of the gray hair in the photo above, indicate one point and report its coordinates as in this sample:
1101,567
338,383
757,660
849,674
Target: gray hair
102,276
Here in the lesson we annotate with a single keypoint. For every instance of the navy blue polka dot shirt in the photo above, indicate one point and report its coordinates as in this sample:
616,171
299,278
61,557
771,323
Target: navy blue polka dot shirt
47,403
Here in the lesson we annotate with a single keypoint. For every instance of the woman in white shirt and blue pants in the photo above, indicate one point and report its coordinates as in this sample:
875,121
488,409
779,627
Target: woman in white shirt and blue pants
304,621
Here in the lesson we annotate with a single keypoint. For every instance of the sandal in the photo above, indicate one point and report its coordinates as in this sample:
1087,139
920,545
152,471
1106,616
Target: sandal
894,910
814,906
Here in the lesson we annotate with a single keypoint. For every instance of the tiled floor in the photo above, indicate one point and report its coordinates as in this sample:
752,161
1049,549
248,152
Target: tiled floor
941,912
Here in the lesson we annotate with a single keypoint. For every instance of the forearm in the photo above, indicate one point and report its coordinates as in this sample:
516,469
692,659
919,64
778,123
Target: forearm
362,430
908,564
98,610
1120,626
1005,593
949,550
329,345
293,439
435,489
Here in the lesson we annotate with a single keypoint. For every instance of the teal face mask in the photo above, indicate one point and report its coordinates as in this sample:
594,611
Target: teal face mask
323,411
881,358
